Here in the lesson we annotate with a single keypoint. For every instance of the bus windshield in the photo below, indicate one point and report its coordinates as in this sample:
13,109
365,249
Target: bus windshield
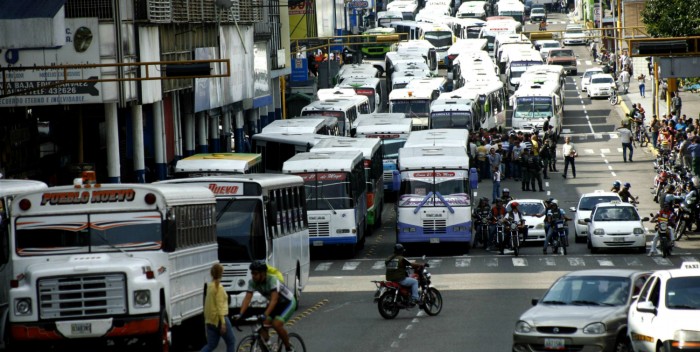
533,107
239,230
451,119
411,107
327,191
391,147
457,186
439,39
91,233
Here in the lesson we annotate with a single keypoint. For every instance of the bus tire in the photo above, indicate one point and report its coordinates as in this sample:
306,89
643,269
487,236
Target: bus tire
160,341
297,286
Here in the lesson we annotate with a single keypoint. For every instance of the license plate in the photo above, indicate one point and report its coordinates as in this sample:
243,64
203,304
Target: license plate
554,344
434,240
81,328
318,243
619,239
560,226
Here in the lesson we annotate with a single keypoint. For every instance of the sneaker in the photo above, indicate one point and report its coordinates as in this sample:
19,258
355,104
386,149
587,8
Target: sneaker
650,254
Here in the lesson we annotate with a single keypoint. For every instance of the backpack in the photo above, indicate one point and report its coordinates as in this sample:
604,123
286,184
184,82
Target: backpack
271,270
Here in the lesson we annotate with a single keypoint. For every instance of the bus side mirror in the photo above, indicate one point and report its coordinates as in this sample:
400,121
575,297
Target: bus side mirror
473,178
4,242
395,180
272,213
170,232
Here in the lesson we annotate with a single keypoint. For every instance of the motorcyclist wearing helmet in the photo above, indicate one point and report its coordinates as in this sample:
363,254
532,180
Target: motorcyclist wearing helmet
505,196
396,271
281,306
481,215
669,217
498,211
616,186
625,194
553,215
516,217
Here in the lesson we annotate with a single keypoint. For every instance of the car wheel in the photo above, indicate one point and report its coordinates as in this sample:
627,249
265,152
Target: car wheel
578,239
623,344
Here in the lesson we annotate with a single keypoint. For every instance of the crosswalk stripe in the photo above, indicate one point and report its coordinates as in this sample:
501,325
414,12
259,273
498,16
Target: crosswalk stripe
519,262
323,266
463,262
619,150
605,262
549,261
605,151
689,259
588,151
351,265
379,264
614,135
662,261
575,261
633,262
491,262
435,263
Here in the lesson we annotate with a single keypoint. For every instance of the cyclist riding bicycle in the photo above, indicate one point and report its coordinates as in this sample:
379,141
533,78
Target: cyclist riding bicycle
281,306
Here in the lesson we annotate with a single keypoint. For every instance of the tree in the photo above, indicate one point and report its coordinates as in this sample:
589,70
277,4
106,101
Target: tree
671,18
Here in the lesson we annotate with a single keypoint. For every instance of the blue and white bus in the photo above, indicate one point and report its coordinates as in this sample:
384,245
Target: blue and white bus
392,130
434,204
336,197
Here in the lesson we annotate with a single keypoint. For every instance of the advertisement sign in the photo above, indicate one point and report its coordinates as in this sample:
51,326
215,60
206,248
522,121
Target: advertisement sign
261,74
324,176
82,47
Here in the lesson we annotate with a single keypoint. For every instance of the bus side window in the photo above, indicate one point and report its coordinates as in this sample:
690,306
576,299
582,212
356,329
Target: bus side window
288,209
273,204
281,230
302,197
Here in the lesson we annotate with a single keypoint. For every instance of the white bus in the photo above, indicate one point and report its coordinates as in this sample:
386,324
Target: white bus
533,104
408,9
326,125
472,9
276,148
369,87
441,37
440,137
493,100
475,66
414,103
434,84
517,65
460,46
384,18
434,203
111,262
512,8
371,149
456,112
259,217
356,71
493,28
392,130
400,79
336,197
213,164
421,47
346,111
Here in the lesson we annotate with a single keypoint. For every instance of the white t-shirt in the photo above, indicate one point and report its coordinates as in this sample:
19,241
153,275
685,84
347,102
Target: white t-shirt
567,148
625,135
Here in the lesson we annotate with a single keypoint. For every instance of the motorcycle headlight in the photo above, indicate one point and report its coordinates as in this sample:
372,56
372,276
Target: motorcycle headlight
595,328
142,298
523,327
638,231
23,306
599,232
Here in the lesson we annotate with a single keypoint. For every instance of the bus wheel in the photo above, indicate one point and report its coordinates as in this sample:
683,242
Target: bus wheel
160,341
297,287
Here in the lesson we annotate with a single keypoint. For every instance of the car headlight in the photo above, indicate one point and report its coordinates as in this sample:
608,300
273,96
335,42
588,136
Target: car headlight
142,298
686,337
539,226
523,327
599,232
638,231
595,328
23,306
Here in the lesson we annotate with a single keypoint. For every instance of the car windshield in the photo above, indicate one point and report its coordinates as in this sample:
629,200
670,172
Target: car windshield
588,74
561,53
550,45
537,11
587,203
589,291
531,208
602,80
683,293
616,214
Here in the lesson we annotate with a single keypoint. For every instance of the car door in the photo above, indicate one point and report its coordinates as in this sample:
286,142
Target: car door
641,323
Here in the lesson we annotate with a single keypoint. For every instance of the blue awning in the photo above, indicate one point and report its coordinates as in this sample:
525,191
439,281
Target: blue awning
14,9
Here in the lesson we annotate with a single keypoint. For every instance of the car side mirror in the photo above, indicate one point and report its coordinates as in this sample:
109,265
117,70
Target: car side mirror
645,219
587,220
646,307
534,301
582,222
572,209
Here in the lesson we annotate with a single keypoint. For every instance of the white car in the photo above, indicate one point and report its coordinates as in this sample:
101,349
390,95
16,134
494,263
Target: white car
615,225
535,225
586,78
666,315
602,85
574,35
546,45
585,204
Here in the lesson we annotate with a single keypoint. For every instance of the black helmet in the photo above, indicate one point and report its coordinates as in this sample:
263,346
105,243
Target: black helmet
399,249
258,265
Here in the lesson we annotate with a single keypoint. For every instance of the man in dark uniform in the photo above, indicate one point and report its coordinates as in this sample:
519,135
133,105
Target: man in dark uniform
396,266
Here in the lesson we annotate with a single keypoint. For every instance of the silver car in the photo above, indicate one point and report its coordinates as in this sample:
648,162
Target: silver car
582,311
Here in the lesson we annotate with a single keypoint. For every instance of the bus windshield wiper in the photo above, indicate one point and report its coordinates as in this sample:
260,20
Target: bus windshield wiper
327,201
225,208
98,233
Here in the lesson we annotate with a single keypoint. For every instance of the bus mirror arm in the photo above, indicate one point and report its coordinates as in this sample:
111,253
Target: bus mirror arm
444,201
427,196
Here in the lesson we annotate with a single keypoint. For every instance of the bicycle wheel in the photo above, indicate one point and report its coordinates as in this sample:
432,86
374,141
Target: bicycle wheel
247,344
296,342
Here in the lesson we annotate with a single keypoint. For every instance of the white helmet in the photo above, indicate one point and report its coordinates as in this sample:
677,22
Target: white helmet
554,201
506,190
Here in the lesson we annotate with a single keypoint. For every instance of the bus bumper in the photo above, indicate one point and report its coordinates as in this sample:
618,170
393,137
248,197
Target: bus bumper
86,328
330,241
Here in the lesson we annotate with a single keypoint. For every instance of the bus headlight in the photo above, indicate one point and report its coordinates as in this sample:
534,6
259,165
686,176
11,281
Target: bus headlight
409,229
23,306
342,231
459,229
142,298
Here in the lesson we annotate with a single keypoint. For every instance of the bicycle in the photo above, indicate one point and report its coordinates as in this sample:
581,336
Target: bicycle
255,342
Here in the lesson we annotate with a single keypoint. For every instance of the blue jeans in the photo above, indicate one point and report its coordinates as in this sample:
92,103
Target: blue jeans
408,281
515,169
626,146
213,336
496,193
550,233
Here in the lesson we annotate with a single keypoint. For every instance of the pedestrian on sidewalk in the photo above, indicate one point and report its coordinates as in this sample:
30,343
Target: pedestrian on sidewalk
641,78
677,102
625,80
655,126
626,139
569,153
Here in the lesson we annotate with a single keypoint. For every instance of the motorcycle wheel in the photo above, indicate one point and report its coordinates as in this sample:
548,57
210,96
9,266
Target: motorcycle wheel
515,241
680,230
564,245
432,301
386,305
664,251
484,239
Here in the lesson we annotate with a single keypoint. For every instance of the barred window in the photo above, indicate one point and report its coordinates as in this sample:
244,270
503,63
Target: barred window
101,9
195,225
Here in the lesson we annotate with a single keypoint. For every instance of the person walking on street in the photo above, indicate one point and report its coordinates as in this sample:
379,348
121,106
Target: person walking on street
626,139
494,160
515,160
641,79
524,156
625,80
655,126
546,157
677,102
534,165
569,152
216,318
496,191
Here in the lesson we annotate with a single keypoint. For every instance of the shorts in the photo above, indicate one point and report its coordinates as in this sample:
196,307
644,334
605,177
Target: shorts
284,312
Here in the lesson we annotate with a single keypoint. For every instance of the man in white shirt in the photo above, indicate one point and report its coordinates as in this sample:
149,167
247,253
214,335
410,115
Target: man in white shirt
626,139
569,153
625,80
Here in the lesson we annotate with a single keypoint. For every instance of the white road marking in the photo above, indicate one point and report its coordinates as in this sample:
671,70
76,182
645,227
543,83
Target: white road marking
588,62
519,262
605,262
632,261
619,150
323,266
435,263
613,174
351,265
662,261
379,264
403,335
549,193
610,167
491,262
593,131
546,184
575,261
463,262
689,259
588,151
549,261
565,130
614,135
605,151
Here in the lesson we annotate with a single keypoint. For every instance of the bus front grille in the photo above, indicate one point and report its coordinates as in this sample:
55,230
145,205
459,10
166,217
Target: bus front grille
388,176
82,296
319,229
431,227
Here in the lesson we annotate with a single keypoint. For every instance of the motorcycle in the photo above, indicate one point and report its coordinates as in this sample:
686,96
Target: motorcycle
507,236
391,297
685,220
482,232
662,230
559,240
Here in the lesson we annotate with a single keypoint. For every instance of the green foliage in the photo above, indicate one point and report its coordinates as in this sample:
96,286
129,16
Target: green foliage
672,18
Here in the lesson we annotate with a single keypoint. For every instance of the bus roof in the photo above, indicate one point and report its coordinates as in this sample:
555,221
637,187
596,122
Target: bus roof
535,90
10,187
453,104
435,83
332,93
445,137
218,162
359,82
380,30
337,104
458,94
427,158
418,93
269,181
397,124
337,160
368,146
303,124
470,44
299,139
